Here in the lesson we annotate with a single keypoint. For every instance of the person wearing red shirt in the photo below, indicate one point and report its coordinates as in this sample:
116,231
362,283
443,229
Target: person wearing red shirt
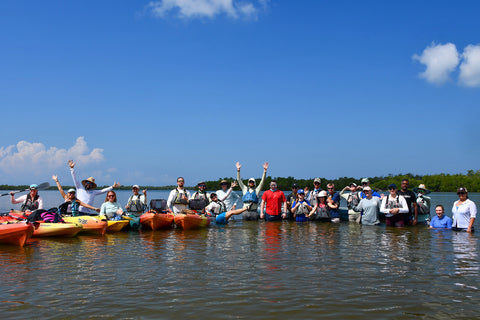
274,200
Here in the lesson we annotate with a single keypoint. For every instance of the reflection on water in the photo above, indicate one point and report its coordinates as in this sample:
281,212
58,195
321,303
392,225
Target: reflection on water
246,270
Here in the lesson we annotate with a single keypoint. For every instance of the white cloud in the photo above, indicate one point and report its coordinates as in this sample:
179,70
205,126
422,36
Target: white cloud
470,67
188,9
27,159
440,60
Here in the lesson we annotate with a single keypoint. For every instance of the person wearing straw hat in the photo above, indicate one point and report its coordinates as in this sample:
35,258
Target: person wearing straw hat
250,193
31,201
86,190
72,204
423,204
232,199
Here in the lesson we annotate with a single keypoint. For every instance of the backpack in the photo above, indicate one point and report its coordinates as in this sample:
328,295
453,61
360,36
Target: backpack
197,204
51,216
159,205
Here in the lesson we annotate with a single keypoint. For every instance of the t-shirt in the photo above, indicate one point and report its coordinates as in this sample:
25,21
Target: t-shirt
411,198
336,198
274,200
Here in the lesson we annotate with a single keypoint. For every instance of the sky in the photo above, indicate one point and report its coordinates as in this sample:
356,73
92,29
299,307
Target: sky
142,92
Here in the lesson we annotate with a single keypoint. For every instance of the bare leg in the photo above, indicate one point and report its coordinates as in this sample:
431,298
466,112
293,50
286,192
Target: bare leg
230,213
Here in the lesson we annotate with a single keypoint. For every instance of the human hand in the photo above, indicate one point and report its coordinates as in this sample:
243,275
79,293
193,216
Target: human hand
71,163
116,185
97,209
238,165
144,192
234,184
265,166
55,178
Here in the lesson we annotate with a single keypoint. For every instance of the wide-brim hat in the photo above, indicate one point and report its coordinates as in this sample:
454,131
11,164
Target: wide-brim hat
224,182
421,187
322,193
91,180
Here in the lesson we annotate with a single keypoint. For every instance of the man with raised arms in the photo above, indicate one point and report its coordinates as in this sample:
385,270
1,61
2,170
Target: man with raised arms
86,190
250,193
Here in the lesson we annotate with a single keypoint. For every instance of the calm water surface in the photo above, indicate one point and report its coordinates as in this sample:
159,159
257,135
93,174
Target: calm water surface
246,270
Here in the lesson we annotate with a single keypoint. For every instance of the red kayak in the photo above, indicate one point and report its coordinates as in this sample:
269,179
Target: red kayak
155,221
191,221
16,233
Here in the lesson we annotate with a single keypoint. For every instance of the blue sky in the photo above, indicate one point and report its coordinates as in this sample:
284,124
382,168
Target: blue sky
145,91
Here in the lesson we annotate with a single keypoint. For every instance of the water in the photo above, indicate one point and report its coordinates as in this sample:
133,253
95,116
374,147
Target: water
246,270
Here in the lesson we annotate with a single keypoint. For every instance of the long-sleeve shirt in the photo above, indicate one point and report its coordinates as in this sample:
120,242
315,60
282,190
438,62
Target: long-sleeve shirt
397,202
463,213
86,196
230,200
246,189
24,197
177,207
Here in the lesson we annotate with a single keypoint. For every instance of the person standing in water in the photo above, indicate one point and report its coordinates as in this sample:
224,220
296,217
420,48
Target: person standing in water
250,193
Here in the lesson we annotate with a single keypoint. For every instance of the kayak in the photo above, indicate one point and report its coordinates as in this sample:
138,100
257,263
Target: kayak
115,225
191,221
90,224
16,233
47,229
155,221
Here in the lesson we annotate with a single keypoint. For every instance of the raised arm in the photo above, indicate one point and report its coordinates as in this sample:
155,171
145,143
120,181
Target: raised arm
239,179
262,181
59,186
234,184
77,184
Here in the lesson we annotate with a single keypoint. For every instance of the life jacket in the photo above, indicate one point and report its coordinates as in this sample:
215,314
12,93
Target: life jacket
393,203
220,208
422,207
302,209
201,195
322,212
250,197
135,205
178,197
313,197
30,204
73,208
355,200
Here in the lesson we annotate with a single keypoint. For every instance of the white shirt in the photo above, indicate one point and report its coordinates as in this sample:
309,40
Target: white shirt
177,208
463,213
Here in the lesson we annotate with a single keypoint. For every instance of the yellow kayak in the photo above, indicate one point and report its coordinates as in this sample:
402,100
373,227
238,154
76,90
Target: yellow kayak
90,224
115,226
46,229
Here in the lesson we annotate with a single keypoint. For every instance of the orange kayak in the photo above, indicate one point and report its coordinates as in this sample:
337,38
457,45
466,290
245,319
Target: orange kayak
16,233
90,224
155,221
46,229
191,221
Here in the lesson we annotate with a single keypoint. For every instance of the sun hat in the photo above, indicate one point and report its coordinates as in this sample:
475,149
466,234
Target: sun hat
301,191
365,180
34,186
352,184
135,186
322,193
252,179
91,180
317,180
201,182
72,190
462,189
367,188
224,182
422,188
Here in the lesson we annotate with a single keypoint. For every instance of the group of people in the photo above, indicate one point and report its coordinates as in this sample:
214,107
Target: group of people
400,207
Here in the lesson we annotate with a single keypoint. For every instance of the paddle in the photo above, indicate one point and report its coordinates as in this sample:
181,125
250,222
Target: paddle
42,186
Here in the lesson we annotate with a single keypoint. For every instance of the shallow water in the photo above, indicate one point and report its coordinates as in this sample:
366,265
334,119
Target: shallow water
247,270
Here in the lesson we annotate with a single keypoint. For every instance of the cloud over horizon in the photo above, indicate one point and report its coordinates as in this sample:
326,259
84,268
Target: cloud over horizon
32,159
190,9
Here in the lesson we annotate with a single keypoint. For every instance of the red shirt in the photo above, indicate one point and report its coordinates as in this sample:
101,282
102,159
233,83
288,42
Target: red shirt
274,201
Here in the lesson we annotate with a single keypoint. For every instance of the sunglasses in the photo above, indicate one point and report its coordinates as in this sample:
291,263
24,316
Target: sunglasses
460,193
202,185
392,188
111,195
294,187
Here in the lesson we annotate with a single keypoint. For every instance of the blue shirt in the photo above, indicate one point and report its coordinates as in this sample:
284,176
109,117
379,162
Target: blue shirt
445,222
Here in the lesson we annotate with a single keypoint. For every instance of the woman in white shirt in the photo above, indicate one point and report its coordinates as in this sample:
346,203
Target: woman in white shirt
464,212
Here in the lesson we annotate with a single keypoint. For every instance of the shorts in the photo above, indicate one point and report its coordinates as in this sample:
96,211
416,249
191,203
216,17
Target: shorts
220,219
